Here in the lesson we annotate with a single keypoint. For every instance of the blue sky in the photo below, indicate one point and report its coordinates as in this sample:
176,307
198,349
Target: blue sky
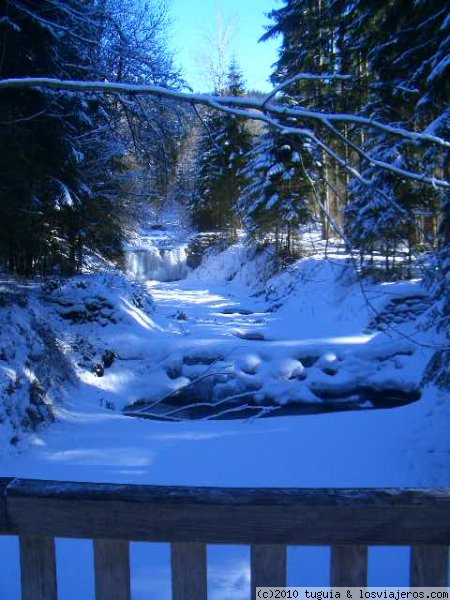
191,19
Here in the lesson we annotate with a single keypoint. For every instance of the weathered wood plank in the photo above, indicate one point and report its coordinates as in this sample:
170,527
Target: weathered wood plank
112,570
400,497
349,566
227,515
38,568
189,571
267,566
429,566
4,482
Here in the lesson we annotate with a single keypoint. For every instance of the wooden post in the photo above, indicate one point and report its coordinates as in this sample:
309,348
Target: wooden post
349,566
112,570
429,565
38,568
188,571
268,566
4,482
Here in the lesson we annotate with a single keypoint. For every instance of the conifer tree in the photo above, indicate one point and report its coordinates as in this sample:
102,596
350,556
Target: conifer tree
39,172
404,43
276,200
68,161
222,156
313,42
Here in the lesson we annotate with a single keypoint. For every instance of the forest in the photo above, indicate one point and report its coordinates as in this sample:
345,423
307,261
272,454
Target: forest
224,286
77,163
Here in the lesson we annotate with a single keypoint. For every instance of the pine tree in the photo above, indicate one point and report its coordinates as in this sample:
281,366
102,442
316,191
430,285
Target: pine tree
403,42
375,221
313,42
222,156
68,161
397,54
276,200
39,170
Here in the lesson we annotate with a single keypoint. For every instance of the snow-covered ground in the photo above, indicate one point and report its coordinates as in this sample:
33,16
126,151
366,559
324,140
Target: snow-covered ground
317,308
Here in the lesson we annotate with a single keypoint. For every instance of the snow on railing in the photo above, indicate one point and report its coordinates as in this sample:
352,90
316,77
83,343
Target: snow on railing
189,518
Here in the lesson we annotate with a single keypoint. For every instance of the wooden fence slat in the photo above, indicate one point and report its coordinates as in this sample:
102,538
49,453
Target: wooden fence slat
112,569
429,565
267,566
188,571
38,568
349,565
4,482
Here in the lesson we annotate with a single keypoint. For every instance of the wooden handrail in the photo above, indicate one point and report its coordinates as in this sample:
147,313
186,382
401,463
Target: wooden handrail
190,517
224,515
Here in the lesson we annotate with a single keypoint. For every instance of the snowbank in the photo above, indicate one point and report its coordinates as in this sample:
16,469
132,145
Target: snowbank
323,336
243,263
57,335
32,367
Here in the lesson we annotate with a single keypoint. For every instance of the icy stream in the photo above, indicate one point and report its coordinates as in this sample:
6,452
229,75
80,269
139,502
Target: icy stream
210,315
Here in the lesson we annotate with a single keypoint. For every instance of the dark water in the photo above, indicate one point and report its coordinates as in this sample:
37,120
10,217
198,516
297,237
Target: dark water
190,404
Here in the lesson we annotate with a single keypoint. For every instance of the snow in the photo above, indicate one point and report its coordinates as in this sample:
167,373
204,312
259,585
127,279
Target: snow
162,335
439,70
7,22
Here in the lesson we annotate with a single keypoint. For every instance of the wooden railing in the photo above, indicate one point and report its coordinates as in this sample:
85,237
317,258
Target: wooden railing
190,518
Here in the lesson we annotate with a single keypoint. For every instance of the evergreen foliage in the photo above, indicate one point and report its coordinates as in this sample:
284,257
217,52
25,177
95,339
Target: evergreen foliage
75,162
222,155
397,56
403,44
276,200
67,164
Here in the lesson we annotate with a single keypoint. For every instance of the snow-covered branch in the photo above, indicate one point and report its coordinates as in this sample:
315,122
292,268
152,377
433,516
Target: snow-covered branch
271,113
326,78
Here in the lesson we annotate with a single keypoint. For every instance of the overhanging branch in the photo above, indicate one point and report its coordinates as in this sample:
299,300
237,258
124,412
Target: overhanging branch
262,110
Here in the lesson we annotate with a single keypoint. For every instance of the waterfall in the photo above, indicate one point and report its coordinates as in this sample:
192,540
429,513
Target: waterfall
159,264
